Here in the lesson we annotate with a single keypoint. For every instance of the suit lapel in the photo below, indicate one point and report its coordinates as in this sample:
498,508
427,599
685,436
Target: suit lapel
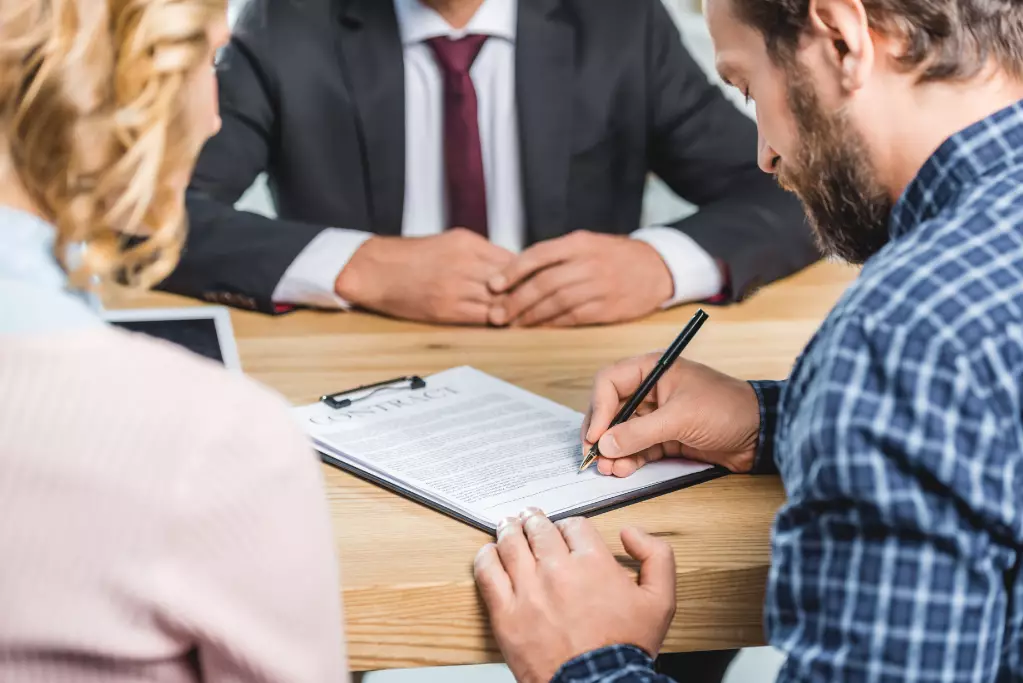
372,61
545,65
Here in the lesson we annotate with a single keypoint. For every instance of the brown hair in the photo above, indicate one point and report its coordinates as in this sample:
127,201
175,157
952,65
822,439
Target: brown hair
944,39
90,114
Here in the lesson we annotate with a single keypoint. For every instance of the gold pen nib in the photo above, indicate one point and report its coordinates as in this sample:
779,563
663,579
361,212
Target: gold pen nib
590,458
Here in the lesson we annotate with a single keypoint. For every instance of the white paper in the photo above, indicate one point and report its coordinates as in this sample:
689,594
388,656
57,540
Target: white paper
478,445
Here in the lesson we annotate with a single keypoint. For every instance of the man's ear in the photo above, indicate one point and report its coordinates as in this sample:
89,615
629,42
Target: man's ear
844,27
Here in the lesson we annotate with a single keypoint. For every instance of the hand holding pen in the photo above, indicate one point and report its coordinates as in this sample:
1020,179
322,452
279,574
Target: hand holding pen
650,381
691,411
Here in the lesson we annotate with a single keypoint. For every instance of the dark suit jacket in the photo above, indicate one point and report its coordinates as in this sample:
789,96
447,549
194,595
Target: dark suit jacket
312,92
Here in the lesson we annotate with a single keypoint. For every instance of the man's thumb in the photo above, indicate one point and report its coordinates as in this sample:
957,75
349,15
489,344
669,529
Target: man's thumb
656,562
636,435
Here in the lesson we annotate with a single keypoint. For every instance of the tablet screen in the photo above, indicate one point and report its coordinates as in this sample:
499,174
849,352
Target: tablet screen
198,335
205,331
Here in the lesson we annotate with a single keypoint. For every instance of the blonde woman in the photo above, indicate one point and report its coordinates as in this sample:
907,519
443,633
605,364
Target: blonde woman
159,520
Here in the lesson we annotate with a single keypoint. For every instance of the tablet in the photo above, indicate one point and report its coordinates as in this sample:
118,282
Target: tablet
205,330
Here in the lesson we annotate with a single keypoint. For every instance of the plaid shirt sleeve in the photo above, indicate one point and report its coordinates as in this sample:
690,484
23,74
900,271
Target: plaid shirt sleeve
617,664
769,399
895,556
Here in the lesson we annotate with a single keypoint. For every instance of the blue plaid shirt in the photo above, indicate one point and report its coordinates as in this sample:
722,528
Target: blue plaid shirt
899,437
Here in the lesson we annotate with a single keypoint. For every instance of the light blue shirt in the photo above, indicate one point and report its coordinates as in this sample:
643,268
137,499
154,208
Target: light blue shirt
35,296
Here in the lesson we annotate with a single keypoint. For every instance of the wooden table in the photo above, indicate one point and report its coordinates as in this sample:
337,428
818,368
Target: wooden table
407,580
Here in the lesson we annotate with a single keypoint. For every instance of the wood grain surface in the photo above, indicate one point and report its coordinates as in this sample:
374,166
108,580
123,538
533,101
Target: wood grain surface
407,581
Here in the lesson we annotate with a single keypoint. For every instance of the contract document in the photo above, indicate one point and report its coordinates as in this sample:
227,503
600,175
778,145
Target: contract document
479,449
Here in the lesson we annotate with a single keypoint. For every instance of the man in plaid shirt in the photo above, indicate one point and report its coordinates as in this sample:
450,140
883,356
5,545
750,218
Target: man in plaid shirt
899,434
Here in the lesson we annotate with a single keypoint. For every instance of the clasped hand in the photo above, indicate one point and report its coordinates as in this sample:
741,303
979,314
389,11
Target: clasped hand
459,277
583,278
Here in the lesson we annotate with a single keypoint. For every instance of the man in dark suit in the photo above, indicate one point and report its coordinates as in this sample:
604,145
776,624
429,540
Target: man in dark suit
478,161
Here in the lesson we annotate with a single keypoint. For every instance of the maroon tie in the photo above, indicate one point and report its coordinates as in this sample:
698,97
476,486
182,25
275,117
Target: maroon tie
463,156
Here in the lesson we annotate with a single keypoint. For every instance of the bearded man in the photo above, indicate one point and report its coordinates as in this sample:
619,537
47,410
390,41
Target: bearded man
899,433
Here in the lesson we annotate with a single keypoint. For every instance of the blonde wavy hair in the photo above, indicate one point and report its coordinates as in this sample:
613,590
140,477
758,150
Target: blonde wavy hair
91,111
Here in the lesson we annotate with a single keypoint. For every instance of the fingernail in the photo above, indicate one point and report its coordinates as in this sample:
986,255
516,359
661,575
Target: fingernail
498,316
498,283
609,447
483,553
504,524
530,512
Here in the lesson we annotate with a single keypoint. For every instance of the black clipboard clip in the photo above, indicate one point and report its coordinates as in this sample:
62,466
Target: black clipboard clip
408,383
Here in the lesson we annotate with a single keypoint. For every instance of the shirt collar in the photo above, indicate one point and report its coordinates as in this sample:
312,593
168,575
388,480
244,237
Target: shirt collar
983,148
33,286
419,23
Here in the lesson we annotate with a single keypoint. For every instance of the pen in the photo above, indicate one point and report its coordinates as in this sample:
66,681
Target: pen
666,361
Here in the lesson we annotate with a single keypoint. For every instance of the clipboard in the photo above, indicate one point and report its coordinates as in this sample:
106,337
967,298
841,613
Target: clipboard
337,403
407,383
592,511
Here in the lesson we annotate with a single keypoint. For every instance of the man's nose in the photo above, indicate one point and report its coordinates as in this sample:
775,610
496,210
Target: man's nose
767,158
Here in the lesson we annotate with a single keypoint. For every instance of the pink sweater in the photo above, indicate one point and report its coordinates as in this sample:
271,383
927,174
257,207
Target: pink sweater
160,520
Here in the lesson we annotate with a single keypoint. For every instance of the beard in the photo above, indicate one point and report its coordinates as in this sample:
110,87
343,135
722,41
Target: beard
847,207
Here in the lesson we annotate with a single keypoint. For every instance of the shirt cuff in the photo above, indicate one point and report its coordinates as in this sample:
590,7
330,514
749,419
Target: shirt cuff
695,273
769,399
310,279
602,664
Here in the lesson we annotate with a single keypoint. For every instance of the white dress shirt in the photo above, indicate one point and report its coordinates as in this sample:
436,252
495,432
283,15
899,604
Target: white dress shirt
311,277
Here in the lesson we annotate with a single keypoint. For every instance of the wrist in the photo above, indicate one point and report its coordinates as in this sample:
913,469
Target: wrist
662,282
694,274
353,282
745,462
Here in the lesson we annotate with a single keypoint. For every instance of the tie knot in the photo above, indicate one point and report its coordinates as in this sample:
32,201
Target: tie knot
456,56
